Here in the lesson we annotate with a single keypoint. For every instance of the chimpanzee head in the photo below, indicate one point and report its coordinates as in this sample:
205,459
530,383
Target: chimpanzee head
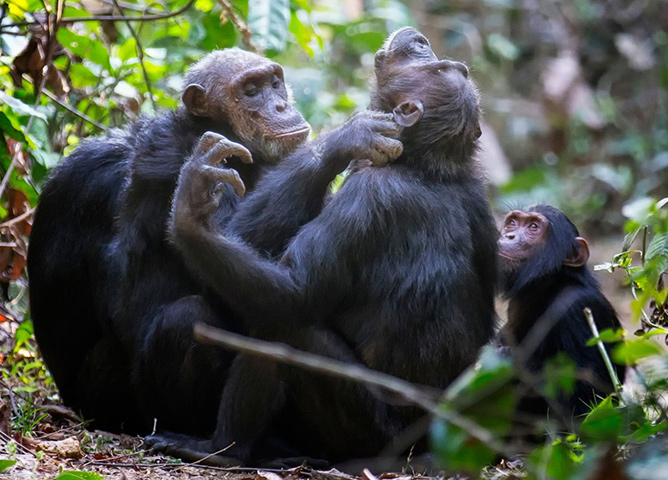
243,91
434,99
537,243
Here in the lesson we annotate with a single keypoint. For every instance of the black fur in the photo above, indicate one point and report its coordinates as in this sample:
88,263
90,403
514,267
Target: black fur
546,294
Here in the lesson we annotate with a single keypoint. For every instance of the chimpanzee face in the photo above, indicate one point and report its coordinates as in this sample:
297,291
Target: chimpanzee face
522,235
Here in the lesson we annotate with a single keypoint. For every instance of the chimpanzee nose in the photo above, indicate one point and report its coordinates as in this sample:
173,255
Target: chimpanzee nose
510,236
281,106
462,68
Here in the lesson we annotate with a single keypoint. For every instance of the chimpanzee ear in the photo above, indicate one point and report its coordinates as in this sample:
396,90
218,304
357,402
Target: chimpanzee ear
408,113
379,59
478,131
194,98
580,257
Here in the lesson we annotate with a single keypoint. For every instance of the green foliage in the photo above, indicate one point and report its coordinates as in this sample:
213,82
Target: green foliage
5,464
73,475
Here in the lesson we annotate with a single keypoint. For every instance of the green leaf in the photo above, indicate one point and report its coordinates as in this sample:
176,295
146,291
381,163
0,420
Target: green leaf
658,246
84,47
608,335
555,461
629,352
5,464
81,76
128,50
73,475
603,423
457,451
269,21
19,107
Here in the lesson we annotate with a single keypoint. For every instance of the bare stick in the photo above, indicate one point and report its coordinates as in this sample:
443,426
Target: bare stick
69,108
421,396
108,18
604,353
240,24
140,54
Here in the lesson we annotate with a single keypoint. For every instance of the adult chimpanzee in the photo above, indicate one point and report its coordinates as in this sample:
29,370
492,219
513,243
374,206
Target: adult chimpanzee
397,271
544,274
243,97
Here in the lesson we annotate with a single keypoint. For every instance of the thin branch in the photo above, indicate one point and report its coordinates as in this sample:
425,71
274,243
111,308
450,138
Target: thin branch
603,351
246,33
69,108
140,54
108,18
18,148
18,219
420,396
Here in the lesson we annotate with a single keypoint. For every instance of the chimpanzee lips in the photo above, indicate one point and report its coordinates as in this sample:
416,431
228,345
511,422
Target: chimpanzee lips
299,131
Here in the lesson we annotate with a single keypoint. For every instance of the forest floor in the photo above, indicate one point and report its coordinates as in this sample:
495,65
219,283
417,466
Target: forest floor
56,446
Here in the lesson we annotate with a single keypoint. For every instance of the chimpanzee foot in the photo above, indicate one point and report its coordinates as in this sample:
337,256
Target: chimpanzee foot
189,449
291,462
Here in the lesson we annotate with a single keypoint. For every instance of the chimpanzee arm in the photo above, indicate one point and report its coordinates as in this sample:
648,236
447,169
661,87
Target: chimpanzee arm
292,193
307,281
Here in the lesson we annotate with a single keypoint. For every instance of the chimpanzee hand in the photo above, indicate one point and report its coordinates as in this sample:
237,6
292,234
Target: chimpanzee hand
368,135
203,180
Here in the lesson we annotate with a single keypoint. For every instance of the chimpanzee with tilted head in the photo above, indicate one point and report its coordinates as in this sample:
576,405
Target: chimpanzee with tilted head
115,322
397,272
544,275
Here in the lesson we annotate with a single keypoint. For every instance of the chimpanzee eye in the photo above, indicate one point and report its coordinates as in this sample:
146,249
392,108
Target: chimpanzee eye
511,223
251,92
276,84
533,226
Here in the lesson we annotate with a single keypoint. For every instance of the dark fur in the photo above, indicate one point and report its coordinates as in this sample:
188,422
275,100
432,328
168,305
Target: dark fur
396,272
544,284
99,311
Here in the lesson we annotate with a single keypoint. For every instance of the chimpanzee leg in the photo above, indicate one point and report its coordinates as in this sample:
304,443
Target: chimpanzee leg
252,398
350,419
179,380
103,391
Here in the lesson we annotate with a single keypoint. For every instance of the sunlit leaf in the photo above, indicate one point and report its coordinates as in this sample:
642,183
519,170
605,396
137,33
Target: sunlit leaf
603,423
5,464
128,50
629,352
72,475
81,76
269,21
19,107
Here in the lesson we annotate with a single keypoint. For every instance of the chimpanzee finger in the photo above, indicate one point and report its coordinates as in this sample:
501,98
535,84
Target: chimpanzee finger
389,148
206,141
389,128
231,176
224,149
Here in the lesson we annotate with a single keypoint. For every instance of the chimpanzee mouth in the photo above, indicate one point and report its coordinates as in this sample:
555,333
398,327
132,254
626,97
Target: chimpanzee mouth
292,133
507,257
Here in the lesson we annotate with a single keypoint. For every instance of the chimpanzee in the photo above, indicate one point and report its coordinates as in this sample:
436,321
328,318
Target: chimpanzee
90,329
544,274
397,272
